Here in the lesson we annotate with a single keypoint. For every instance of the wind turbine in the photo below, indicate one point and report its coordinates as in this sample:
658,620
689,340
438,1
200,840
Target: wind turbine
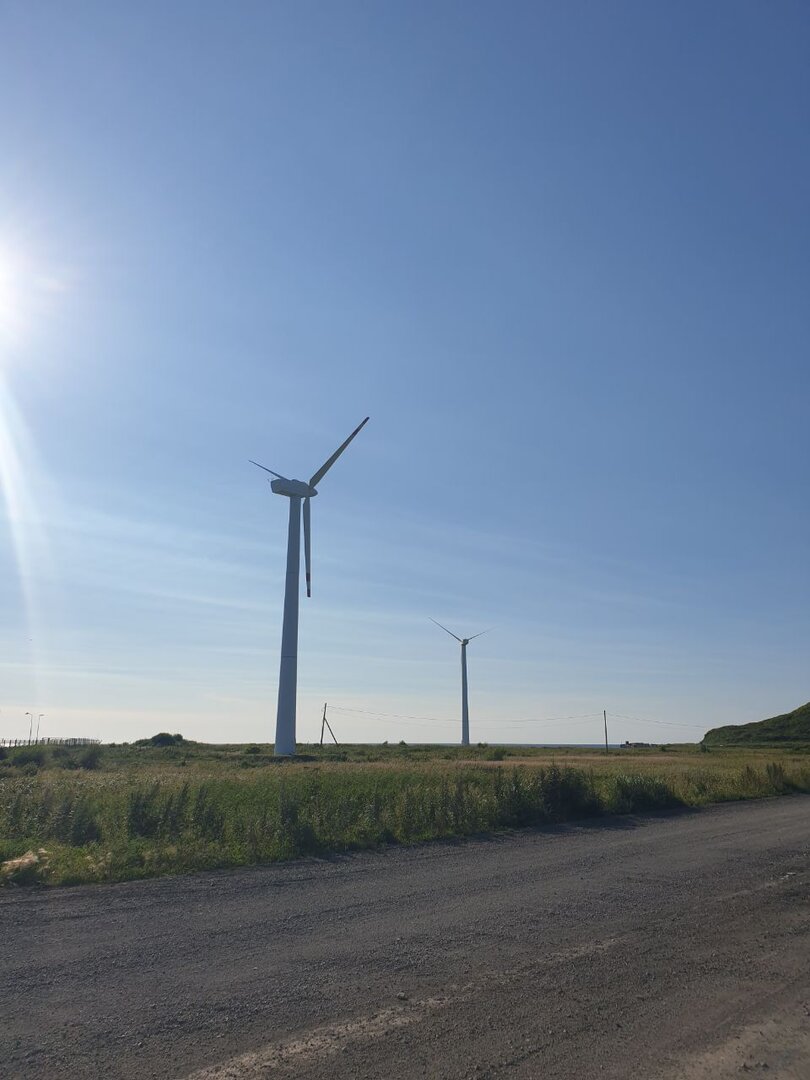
295,491
465,711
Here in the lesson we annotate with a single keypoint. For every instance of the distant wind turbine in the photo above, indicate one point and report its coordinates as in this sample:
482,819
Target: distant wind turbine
295,491
465,711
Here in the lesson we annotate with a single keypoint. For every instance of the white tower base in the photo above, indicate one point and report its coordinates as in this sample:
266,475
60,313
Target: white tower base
465,711
288,673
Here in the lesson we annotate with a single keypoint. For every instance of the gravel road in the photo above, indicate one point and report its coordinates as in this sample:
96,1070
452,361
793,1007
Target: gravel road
649,947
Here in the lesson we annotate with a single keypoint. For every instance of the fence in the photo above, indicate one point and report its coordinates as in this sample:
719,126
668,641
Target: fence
50,742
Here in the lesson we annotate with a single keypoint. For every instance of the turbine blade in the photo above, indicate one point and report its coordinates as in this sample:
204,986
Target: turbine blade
481,634
307,547
450,632
278,474
327,465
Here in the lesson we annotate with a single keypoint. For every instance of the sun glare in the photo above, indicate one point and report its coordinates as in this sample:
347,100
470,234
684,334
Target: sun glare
7,304
27,295
16,296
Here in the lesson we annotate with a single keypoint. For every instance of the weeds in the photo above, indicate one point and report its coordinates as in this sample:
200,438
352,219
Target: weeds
103,823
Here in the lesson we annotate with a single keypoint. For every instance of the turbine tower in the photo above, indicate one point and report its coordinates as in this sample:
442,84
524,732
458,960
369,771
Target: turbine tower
295,491
465,710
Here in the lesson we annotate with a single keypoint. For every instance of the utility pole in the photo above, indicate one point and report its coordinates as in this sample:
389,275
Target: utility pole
325,724
604,713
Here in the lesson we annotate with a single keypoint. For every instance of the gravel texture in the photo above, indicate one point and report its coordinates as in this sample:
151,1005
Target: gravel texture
671,946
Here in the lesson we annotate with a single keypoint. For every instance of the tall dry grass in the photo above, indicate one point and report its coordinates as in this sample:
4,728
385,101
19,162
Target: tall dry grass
116,822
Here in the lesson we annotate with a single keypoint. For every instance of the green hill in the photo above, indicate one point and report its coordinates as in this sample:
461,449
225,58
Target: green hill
792,727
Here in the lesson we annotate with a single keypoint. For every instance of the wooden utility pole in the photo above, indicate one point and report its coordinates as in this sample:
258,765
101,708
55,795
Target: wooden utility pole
325,724
604,713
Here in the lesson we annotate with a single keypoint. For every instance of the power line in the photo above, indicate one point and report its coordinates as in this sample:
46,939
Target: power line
548,719
378,714
396,716
411,719
661,723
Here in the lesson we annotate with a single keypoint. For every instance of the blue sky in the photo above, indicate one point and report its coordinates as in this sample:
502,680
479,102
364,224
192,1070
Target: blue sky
558,252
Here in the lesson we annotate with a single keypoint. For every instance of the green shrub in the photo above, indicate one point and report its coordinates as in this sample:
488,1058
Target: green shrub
163,738
631,793
777,778
84,828
91,758
28,756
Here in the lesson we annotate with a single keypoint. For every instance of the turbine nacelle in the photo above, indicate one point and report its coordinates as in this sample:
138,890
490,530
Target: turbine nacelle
293,488
461,641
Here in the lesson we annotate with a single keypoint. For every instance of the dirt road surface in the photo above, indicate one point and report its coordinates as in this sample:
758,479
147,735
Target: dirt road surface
650,947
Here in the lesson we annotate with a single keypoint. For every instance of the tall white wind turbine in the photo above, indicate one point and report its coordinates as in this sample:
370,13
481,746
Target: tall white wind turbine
295,491
465,709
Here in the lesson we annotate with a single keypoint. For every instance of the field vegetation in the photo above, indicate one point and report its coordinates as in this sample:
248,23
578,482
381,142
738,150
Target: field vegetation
165,805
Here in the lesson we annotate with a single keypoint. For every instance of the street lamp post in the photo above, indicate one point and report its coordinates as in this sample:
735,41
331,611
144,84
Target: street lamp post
30,725
39,721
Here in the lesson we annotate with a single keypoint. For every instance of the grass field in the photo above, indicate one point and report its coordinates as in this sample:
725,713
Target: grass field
122,812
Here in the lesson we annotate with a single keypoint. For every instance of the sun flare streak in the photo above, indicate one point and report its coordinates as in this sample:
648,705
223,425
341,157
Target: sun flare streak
18,507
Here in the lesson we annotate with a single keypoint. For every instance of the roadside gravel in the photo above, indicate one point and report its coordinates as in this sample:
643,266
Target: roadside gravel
671,946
